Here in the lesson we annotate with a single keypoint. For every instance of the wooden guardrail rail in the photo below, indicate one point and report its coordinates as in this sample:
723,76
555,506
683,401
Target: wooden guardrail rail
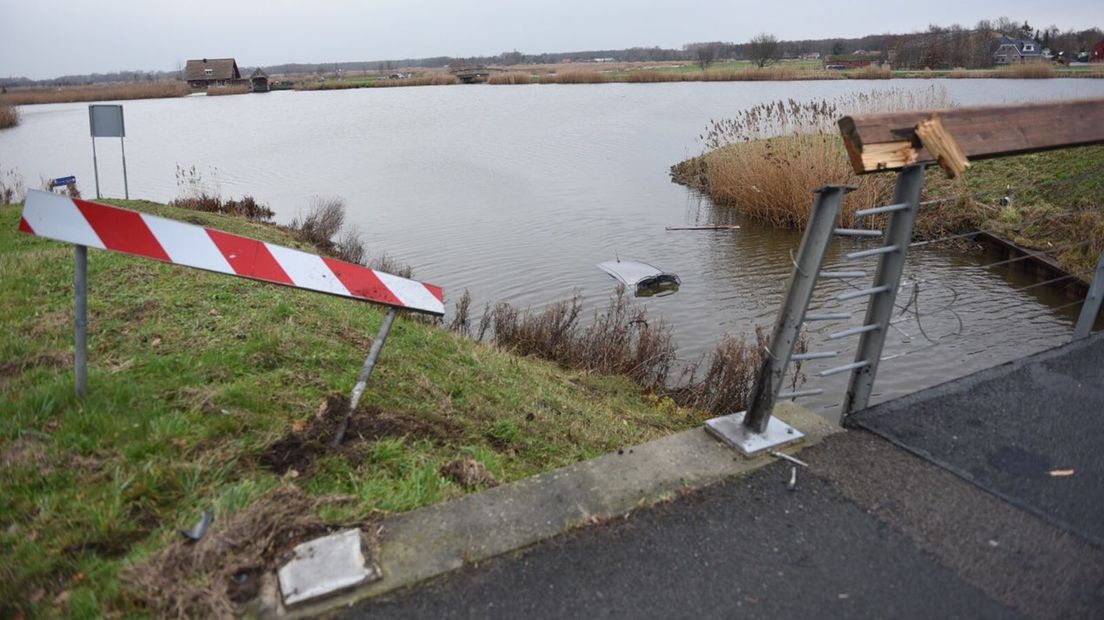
878,142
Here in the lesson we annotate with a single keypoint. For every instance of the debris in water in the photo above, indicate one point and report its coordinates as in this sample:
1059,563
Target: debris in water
1061,473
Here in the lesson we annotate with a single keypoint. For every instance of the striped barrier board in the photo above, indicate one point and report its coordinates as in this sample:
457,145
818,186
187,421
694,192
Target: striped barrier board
121,230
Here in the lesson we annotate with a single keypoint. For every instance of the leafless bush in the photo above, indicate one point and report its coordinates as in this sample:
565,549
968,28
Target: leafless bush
197,195
12,189
322,222
388,264
461,315
349,246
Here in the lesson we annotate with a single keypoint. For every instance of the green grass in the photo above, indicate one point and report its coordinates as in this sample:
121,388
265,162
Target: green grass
193,375
1057,199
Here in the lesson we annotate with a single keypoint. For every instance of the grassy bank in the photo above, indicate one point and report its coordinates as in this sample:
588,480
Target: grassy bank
203,393
104,92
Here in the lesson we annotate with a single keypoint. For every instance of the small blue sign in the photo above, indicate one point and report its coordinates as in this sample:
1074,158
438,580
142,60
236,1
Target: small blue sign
62,181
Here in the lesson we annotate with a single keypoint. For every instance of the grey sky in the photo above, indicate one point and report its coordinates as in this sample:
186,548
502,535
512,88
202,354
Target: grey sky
48,38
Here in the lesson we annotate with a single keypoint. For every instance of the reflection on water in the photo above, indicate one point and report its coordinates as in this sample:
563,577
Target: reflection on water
517,192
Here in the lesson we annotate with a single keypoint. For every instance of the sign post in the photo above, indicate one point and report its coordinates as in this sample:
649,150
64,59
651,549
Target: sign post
106,121
90,224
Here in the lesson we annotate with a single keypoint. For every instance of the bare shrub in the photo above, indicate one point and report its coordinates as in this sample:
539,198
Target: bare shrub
12,189
388,264
461,315
728,380
349,246
322,222
197,195
9,116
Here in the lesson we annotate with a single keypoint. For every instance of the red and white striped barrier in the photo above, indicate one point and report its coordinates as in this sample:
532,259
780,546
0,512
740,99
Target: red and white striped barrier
130,232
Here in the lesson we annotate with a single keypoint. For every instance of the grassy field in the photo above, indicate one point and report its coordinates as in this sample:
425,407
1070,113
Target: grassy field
200,385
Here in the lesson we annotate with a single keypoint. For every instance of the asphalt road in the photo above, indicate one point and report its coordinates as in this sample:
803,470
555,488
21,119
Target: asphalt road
746,548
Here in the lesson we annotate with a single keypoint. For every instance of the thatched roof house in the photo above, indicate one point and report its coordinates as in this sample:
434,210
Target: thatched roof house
211,72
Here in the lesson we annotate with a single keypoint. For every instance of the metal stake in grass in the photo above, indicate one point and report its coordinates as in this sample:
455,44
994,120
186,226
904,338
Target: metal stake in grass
365,373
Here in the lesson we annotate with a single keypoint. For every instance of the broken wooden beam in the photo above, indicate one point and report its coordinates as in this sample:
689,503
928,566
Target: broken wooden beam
877,142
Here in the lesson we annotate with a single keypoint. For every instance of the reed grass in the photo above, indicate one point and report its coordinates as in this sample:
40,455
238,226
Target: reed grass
870,72
99,92
1025,71
581,77
229,89
768,160
510,77
9,116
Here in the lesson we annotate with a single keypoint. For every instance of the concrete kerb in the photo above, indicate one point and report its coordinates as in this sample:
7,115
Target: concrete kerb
425,543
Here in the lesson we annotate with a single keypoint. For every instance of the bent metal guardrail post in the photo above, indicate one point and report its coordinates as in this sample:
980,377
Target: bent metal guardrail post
90,224
910,183
755,430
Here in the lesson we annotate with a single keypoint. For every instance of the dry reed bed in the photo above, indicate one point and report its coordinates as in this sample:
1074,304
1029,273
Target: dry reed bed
768,160
9,116
105,92
230,89
510,78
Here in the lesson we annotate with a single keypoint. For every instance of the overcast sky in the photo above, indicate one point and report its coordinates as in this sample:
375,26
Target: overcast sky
49,38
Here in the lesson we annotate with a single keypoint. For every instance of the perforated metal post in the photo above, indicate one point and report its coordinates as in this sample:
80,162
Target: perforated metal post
1091,308
750,432
910,183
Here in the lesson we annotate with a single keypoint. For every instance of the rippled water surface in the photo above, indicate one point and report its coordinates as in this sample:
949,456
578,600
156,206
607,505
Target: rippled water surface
517,192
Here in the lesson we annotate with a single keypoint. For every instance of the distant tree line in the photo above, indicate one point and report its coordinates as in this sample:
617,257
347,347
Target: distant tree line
937,47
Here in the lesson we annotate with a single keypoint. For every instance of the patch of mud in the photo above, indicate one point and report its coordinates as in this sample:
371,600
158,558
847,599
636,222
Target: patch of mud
468,473
299,448
213,577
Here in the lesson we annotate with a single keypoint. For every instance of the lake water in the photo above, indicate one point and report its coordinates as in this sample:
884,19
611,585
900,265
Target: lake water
517,192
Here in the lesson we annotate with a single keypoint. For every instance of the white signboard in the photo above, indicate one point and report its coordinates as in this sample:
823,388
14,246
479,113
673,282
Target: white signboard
106,121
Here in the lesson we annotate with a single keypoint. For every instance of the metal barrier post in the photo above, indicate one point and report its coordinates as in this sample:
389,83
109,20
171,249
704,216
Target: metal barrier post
80,341
910,183
365,373
1091,308
755,430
